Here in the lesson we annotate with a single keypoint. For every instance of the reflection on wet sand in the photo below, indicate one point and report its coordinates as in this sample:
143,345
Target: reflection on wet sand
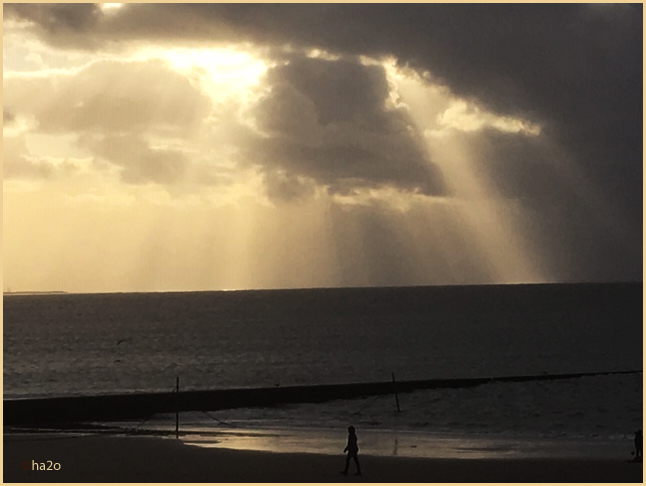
398,443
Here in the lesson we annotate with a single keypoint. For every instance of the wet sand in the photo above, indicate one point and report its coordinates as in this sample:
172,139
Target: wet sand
104,458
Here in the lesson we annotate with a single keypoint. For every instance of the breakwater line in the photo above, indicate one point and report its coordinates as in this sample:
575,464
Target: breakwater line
40,411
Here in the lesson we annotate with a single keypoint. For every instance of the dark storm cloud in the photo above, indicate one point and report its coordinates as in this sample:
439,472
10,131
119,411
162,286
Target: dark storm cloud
329,122
339,90
56,18
60,24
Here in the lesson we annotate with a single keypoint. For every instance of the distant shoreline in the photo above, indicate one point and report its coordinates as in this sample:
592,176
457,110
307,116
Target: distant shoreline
35,292
300,289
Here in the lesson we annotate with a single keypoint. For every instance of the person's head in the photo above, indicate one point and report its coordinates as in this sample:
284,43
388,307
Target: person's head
351,429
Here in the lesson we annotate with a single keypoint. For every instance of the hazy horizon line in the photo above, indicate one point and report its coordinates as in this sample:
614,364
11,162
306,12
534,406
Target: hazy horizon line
498,284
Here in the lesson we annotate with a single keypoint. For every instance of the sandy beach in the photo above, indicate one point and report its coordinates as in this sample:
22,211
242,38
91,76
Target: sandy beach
104,458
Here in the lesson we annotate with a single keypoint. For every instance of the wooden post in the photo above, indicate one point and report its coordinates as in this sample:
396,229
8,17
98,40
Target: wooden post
395,388
177,408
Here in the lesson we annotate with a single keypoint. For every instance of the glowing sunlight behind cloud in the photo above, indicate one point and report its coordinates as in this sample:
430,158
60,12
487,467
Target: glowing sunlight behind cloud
467,118
221,67
110,7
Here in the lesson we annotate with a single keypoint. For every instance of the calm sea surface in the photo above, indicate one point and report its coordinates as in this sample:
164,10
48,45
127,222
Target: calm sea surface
72,344
56,345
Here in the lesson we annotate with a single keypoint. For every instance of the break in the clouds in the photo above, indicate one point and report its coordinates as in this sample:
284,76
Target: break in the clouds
447,143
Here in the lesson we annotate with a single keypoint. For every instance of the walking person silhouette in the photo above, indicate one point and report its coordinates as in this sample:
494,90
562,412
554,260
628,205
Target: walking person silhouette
352,449
638,446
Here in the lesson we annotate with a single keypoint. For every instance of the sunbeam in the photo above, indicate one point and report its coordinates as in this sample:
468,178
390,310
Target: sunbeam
502,248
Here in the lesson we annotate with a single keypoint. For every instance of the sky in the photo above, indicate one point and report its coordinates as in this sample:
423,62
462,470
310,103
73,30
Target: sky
178,147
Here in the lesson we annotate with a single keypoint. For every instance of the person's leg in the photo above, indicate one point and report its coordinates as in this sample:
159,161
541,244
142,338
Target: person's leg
347,464
356,461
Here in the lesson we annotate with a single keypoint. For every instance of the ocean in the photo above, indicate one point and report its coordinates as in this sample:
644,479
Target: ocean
80,344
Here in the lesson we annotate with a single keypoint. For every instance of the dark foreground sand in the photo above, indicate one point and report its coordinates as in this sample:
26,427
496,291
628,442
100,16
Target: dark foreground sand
101,458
